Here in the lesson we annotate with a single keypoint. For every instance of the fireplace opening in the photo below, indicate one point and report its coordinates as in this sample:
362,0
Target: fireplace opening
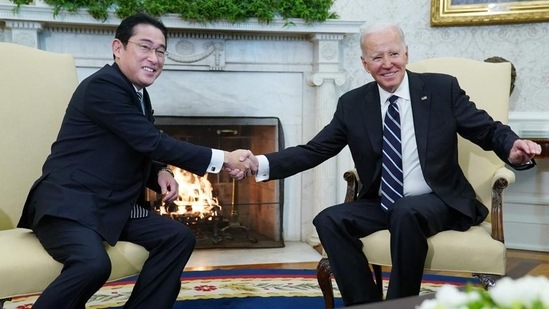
222,212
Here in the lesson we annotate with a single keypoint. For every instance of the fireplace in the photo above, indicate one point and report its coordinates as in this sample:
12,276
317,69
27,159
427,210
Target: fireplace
224,213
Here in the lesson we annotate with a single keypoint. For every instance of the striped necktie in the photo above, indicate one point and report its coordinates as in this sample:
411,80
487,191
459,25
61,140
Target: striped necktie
140,96
138,211
391,173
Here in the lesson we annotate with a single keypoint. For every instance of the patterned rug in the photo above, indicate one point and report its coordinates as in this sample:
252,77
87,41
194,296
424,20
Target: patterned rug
241,288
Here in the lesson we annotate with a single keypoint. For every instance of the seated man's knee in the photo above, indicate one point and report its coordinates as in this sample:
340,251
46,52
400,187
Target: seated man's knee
95,268
324,218
181,234
320,218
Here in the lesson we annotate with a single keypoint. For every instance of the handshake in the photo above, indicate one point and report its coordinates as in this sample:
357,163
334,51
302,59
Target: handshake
240,163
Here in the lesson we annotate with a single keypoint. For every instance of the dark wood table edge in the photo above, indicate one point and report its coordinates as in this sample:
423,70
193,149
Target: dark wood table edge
404,303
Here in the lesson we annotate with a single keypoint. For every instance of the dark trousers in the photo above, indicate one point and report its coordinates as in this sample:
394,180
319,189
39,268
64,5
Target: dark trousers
86,265
410,221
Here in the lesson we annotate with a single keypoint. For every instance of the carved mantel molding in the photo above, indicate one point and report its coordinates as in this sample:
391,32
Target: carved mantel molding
194,43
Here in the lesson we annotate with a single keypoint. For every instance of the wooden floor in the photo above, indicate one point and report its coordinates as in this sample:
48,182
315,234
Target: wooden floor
519,264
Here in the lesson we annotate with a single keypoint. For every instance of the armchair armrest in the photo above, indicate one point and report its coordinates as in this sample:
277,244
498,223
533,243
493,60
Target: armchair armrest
504,173
503,177
353,185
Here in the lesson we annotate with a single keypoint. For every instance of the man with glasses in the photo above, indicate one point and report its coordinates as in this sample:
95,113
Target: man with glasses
107,151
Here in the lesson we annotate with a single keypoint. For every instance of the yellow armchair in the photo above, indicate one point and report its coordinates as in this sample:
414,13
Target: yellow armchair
35,89
480,250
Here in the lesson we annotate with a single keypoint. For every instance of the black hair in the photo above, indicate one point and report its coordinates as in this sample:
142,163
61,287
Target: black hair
126,29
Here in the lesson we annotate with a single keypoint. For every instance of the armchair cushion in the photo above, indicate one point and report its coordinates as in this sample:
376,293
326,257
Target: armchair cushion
473,251
30,268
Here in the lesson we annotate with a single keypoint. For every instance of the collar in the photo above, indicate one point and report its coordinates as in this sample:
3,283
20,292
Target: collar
137,89
403,91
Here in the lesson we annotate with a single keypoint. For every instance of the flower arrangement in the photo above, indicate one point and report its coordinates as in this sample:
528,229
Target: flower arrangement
528,292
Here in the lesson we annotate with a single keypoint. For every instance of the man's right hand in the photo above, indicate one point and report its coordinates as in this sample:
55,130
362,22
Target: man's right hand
240,163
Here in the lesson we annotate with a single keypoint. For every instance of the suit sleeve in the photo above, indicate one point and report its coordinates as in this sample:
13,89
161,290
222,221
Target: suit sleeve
110,106
326,144
152,182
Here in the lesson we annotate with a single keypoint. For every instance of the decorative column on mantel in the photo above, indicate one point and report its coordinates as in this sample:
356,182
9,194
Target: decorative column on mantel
326,77
24,32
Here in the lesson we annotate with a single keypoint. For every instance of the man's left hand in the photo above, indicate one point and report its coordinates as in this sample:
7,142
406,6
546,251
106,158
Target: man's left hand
168,186
523,151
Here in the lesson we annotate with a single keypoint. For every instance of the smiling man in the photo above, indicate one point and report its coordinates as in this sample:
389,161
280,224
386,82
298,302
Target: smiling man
402,132
107,151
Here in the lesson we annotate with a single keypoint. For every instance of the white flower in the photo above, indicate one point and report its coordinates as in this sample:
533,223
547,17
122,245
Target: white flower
449,297
507,293
526,290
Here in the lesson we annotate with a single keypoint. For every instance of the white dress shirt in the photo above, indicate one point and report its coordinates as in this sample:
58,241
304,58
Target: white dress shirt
216,163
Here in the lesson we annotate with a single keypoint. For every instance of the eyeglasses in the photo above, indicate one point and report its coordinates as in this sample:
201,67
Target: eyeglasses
143,48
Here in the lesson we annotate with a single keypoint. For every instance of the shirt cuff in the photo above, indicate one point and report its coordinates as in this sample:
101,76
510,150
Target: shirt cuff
525,166
216,163
263,168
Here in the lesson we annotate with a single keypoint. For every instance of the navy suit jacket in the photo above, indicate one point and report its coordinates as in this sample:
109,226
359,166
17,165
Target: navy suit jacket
103,157
441,110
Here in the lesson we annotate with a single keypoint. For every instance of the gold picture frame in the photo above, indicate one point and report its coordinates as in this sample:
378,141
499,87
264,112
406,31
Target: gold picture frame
480,12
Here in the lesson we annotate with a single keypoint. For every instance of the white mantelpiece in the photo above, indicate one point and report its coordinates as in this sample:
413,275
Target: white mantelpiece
222,69
530,124
526,208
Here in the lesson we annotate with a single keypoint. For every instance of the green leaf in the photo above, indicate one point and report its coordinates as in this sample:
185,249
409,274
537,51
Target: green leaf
203,11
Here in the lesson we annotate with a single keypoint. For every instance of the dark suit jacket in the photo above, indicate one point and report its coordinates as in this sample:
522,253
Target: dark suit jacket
440,109
102,158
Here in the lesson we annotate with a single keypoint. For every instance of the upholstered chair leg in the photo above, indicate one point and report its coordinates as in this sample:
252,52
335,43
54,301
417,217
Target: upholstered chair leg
379,279
2,301
486,280
324,278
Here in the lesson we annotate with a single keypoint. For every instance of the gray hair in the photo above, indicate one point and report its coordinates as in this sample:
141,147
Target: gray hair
378,27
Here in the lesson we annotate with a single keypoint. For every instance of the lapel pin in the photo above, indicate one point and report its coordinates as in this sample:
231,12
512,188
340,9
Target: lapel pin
423,98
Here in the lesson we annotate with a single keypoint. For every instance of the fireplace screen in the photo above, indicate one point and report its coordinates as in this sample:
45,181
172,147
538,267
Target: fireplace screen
224,213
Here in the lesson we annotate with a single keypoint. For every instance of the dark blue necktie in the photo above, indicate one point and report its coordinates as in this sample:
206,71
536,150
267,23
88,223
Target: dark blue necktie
391,166
140,96
138,211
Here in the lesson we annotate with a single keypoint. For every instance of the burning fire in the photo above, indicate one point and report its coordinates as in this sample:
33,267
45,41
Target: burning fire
195,196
